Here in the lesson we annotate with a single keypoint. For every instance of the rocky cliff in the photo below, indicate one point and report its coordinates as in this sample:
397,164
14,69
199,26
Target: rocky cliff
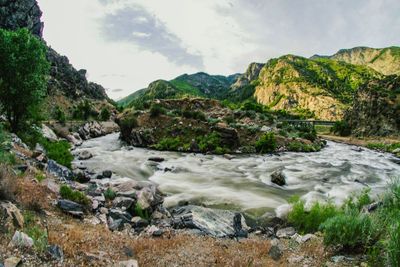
384,60
376,108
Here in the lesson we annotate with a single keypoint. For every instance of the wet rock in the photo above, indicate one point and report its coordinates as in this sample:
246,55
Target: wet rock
55,252
59,171
75,139
218,223
12,262
156,159
285,232
275,252
107,173
21,240
128,263
81,176
84,155
228,156
238,228
48,133
371,207
70,207
278,178
10,216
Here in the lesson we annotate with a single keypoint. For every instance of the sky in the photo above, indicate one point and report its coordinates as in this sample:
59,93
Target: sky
126,44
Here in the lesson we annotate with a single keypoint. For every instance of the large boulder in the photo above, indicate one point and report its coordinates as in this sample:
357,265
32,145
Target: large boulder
10,217
21,239
278,178
71,207
48,133
59,171
214,222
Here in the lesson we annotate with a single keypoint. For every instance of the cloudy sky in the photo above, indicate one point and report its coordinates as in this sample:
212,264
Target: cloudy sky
126,44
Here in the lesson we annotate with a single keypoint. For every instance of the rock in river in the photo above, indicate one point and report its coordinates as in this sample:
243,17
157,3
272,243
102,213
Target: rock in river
278,178
218,223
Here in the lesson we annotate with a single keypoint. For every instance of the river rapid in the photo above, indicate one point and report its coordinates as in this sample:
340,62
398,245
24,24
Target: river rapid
244,183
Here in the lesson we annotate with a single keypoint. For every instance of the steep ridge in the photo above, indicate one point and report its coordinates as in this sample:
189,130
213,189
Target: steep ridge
384,60
376,108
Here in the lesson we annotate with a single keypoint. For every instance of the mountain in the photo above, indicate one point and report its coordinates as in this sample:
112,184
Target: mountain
320,88
376,108
199,84
66,86
384,60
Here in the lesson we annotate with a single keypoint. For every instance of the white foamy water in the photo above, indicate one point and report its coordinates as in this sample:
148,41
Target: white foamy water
244,182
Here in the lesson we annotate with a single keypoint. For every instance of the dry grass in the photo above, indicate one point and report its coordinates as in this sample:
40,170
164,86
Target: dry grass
33,196
8,184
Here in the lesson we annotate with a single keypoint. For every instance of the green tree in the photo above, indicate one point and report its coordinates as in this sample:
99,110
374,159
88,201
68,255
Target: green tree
22,75
105,114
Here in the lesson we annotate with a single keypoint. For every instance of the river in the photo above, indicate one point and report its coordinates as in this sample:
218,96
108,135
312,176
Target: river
243,183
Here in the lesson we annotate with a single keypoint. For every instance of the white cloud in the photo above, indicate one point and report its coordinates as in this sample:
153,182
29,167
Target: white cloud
224,35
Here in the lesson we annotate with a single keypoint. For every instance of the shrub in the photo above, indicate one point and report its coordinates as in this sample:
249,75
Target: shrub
83,110
5,146
59,151
197,115
266,144
104,114
110,194
342,128
144,214
169,143
250,105
351,230
59,115
393,245
156,110
296,146
310,221
127,123
209,142
67,193
40,177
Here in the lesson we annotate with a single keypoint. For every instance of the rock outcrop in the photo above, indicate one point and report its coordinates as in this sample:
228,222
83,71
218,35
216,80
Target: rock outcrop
21,14
376,108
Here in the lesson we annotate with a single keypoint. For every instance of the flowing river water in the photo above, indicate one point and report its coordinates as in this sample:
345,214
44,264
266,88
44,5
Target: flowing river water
244,183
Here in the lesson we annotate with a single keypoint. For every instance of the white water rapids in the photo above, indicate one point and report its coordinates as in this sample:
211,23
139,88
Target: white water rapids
244,183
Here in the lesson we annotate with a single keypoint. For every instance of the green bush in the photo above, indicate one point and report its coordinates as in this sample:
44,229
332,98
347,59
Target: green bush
156,110
59,151
197,115
138,211
393,245
5,146
83,110
209,142
309,221
252,106
351,230
169,143
67,193
127,123
110,194
104,114
296,146
59,115
267,143
341,128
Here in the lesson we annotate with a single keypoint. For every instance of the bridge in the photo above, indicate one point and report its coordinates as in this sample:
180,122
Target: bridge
313,122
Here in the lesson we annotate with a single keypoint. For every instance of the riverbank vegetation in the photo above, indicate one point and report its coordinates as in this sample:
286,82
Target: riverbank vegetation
360,225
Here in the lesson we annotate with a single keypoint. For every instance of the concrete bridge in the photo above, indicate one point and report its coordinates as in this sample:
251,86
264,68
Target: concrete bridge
313,122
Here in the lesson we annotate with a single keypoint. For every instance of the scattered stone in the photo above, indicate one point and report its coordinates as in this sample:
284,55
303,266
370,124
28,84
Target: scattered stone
139,222
128,263
59,171
17,141
75,139
228,156
119,214
275,252
70,207
156,159
123,202
265,129
285,232
107,173
21,239
103,210
218,223
115,225
81,176
56,252
84,155
278,178
10,214
12,262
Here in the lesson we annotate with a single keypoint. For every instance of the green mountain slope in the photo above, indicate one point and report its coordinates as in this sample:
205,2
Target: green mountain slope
384,60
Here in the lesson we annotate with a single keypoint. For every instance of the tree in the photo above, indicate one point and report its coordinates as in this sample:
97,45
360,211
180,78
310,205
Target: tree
105,114
23,72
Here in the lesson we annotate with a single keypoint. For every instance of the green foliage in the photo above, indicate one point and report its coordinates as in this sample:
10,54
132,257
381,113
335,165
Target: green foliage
341,128
156,110
267,143
59,115
251,105
22,76
209,142
83,110
297,146
169,143
139,211
104,114
40,177
67,193
393,245
309,221
59,151
127,123
5,146
110,194
383,146
197,115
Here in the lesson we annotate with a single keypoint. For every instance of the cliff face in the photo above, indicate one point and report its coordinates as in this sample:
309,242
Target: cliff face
376,108
15,14
383,60
319,88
